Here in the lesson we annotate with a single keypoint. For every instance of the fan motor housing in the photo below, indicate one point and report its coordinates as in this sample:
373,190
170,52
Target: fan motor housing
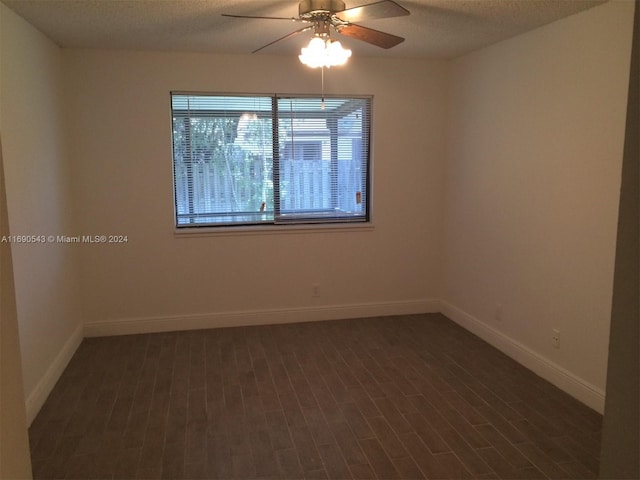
312,8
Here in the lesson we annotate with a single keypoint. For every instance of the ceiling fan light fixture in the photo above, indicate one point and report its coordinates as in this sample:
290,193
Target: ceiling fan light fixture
324,53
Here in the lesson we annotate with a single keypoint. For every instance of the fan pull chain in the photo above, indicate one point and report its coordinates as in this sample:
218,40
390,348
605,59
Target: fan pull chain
322,80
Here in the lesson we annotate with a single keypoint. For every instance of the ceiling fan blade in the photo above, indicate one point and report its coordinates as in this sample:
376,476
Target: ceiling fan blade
372,11
292,34
294,19
369,35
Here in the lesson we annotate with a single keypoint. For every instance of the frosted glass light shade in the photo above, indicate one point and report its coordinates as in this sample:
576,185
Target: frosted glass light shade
324,53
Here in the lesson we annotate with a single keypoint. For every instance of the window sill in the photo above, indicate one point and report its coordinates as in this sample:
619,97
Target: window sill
190,232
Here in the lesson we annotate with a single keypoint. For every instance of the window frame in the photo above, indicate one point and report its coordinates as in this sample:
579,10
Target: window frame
323,222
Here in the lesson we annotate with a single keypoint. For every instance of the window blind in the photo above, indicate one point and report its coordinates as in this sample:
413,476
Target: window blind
322,159
247,159
222,152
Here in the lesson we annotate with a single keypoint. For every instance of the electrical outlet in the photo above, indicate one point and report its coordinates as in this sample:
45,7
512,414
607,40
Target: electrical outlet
315,290
555,338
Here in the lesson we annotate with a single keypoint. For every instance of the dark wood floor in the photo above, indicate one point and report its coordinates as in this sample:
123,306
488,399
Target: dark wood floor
394,397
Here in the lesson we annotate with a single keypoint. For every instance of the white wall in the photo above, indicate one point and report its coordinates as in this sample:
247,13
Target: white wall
15,461
535,138
120,122
39,203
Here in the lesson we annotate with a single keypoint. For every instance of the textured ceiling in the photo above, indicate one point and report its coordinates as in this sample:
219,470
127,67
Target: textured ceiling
435,28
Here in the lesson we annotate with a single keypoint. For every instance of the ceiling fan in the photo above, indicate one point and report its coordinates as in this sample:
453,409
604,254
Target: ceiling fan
324,14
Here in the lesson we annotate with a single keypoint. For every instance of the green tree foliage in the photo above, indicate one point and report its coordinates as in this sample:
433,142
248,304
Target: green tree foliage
236,152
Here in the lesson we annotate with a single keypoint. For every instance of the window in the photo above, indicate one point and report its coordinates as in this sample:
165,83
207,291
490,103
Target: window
250,160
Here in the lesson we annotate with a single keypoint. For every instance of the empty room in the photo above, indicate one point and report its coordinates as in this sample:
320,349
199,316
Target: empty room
326,239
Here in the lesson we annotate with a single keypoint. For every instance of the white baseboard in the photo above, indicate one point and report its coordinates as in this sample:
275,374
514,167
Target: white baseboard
257,317
37,397
575,386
